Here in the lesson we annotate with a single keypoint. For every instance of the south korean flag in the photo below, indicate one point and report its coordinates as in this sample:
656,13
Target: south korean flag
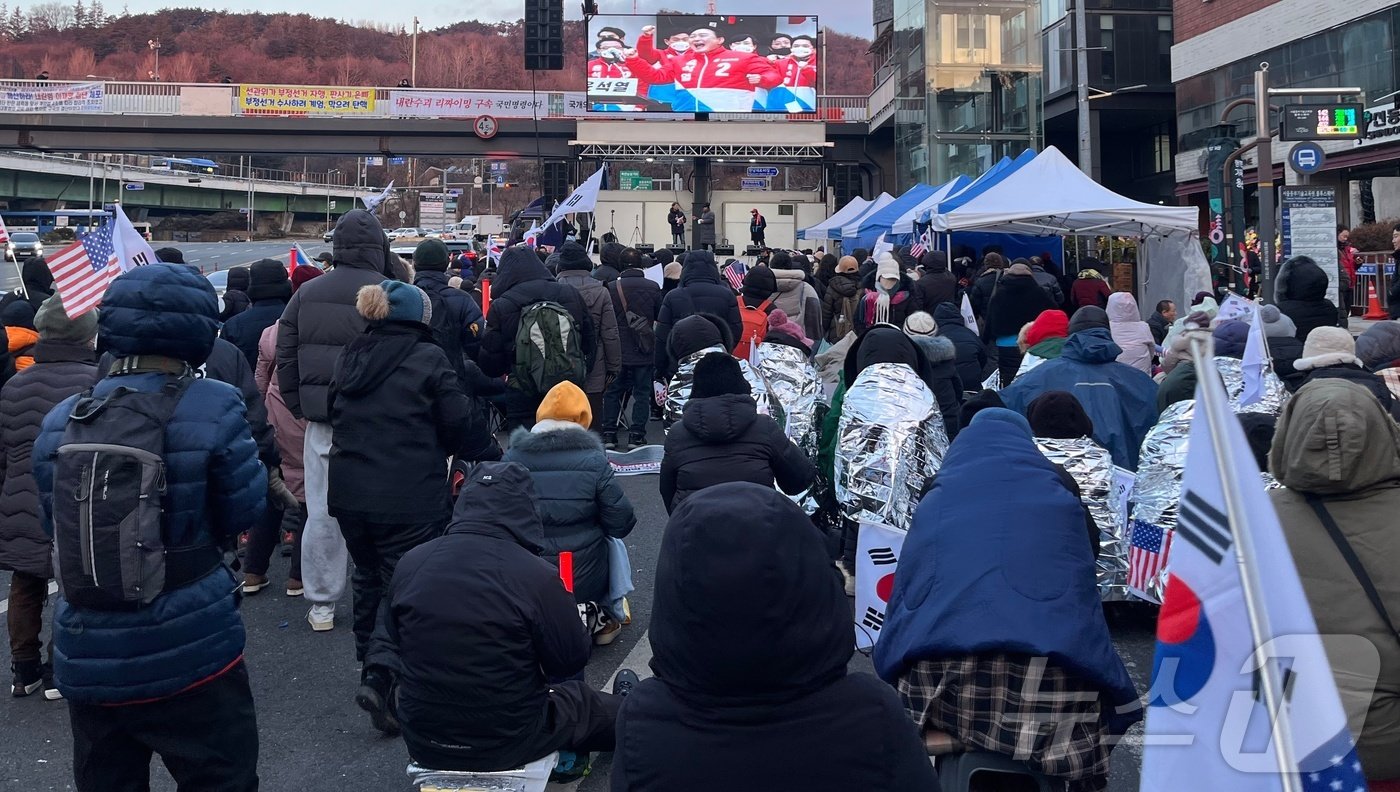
877,555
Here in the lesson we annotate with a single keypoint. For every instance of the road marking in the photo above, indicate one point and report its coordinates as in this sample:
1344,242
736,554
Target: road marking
639,660
5,603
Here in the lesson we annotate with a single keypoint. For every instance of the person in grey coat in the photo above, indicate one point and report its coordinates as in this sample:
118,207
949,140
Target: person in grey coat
575,269
705,227
64,364
1047,281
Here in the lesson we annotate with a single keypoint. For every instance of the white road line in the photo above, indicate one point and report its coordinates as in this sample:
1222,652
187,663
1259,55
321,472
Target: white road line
639,660
53,587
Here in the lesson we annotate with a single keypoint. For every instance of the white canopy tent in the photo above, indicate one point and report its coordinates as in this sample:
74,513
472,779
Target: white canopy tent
824,229
881,201
1050,196
905,223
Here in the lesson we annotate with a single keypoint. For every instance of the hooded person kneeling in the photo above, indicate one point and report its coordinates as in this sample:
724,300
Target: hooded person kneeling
752,635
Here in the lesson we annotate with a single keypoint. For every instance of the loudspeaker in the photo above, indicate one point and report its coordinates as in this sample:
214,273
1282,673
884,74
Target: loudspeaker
544,35
554,182
724,250
845,183
645,248
676,248
752,250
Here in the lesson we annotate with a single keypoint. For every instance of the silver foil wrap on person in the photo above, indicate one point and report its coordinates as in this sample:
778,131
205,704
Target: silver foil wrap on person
678,389
1232,373
890,441
1091,466
1158,485
793,382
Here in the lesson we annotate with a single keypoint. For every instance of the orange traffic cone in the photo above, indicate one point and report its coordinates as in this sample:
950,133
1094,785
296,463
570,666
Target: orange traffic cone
1374,310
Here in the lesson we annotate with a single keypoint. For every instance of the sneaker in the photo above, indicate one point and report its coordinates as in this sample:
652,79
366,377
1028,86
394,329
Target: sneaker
625,681
626,612
294,588
610,441
637,440
607,631
321,617
850,579
50,692
373,697
252,583
29,677
287,541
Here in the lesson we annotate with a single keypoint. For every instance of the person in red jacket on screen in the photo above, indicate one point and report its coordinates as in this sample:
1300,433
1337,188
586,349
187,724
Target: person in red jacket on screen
711,78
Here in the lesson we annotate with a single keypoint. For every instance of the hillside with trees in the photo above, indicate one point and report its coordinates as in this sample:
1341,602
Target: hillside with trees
84,40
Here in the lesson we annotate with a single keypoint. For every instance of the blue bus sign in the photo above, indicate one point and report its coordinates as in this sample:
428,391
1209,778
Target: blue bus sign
1306,158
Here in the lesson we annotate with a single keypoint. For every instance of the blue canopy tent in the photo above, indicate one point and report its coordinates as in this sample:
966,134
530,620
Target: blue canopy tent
902,231
864,232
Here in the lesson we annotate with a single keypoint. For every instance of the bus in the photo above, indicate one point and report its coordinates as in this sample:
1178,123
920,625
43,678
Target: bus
80,220
187,164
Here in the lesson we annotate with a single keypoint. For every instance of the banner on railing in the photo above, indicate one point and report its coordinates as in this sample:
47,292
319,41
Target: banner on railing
311,99
467,104
69,98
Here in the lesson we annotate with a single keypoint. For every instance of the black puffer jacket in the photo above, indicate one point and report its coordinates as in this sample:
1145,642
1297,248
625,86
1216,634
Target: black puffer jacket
321,320
752,638
942,377
59,371
1018,301
843,293
971,357
723,438
397,413
522,281
937,285
644,299
702,290
580,503
457,319
1305,297
245,330
478,676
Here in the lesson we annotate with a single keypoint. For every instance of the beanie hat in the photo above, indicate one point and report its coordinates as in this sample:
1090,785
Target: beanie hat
565,402
1019,269
1050,324
1058,414
267,280
1276,324
36,274
170,255
572,256
847,264
664,256
431,255
301,275
718,374
1379,345
394,301
671,271
781,259
1087,318
697,332
1327,346
1230,338
920,323
759,284
977,402
53,323
238,279
887,266
779,322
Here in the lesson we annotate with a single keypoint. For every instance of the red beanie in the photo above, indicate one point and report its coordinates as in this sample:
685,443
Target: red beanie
303,274
1050,324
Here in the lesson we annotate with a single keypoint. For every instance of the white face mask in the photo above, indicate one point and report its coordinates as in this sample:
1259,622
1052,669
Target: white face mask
680,46
801,52
743,48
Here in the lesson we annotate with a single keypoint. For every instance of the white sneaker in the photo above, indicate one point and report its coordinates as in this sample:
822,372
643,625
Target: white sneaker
52,694
321,617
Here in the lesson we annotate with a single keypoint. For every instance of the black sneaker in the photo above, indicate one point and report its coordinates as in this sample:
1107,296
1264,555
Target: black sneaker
29,677
373,697
610,441
50,692
637,440
625,681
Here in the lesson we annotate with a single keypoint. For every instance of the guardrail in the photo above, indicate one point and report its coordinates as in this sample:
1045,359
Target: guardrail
1373,269
259,176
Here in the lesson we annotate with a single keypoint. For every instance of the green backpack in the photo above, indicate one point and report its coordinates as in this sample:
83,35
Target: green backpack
548,350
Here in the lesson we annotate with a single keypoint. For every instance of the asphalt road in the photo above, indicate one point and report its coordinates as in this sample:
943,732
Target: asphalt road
211,256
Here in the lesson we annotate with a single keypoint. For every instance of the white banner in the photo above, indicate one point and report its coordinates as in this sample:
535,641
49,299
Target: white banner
465,104
59,98
640,461
877,555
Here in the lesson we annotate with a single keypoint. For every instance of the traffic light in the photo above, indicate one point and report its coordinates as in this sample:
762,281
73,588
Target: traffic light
544,35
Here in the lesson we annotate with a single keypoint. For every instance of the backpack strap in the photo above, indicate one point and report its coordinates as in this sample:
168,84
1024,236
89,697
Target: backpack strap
622,296
1349,555
768,303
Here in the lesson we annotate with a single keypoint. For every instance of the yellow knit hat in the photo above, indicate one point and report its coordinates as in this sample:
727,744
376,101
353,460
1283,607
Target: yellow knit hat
565,402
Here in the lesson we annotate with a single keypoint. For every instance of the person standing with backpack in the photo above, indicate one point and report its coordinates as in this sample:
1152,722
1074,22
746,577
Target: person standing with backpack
637,301
574,269
756,299
842,300
148,641
538,331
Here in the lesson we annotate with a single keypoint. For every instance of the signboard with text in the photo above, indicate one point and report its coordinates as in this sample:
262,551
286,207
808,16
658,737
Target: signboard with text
1381,124
1310,229
465,104
59,98
1321,122
305,99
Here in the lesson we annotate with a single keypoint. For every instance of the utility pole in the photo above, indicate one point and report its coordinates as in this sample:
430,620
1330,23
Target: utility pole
1081,67
413,65
1264,155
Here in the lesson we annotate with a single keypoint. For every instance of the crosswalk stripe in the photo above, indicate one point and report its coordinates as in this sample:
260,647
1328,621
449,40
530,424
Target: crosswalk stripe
5,603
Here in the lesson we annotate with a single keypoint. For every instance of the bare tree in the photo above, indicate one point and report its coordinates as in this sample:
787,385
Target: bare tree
50,16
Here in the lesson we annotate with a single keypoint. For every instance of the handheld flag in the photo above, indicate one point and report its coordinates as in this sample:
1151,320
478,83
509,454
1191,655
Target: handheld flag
881,246
920,246
583,199
4,234
1255,362
969,318
297,257
373,201
734,274
532,236
83,270
132,249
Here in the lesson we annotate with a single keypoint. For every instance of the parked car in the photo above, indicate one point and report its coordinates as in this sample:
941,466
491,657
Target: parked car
398,233
219,280
23,245
326,237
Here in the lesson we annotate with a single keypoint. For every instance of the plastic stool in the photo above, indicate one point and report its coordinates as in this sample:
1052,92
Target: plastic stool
956,771
531,778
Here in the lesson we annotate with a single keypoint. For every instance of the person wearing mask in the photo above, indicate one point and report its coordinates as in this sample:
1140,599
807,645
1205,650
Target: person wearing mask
1017,300
17,309
705,227
497,685
843,299
1161,320
936,285
319,322
970,354
1130,333
637,302
1337,455
1346,287
575,270
797,298
799,73
169,676
709,77
1284,347
1304,300
1089,288
1121,400
1330,353
1379,350
701,290
269,289
64,364
457,319
1047,280
933,648
676,219
889,296
236,299
739,559
758,228
942,371
721,437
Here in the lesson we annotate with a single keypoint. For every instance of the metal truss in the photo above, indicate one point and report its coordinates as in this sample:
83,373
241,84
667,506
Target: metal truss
715,151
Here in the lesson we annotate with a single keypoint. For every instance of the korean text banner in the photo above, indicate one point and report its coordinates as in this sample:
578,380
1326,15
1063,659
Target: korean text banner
59,98
685,63
467,104
297,99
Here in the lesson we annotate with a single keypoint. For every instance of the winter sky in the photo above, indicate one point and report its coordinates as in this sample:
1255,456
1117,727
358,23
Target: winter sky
846,16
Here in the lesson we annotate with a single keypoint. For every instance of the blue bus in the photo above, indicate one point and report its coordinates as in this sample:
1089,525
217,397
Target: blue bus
188,164
80,220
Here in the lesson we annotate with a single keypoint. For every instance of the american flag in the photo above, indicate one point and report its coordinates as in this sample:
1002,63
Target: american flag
920,246
1147,554
83,270
734,273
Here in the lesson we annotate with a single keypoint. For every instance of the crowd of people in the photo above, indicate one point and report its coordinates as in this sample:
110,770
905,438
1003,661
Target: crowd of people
399,432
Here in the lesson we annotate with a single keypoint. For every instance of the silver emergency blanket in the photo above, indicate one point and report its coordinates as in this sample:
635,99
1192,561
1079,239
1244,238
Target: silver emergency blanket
1232,373
890,441
678,390
1028,362
1158,486
1091,466
793,382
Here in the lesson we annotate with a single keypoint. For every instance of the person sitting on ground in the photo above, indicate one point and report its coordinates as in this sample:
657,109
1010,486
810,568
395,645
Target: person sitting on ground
1230,336
934,648
942,374
1284,347
1302,296
1330,352
773,696
1161,320
1204,303
843,298
580,502
982,400
700,290
1178,348
1130,333
970,354
1337,455
1045,338
1379,350
236,299
497,685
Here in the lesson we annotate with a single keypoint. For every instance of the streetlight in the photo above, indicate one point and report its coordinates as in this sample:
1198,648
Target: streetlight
1099,93
413,68
154,46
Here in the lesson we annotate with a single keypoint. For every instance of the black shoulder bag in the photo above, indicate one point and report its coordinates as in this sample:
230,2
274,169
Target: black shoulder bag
1344,547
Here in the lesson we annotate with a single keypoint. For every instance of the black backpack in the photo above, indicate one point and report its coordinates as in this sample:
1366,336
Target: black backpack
109,489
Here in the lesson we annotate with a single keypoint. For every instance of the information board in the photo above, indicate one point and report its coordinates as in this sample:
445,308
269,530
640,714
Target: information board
1310,229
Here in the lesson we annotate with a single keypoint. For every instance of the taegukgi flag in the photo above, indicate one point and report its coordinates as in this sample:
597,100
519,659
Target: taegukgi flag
132,248
583,199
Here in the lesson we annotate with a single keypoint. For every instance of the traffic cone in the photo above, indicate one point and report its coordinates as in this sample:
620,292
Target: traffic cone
1374,311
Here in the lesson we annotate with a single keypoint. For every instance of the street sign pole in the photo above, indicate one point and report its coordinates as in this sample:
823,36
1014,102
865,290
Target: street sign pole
1263,150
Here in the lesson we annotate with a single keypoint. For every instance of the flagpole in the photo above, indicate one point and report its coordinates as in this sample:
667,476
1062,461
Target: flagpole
1209,393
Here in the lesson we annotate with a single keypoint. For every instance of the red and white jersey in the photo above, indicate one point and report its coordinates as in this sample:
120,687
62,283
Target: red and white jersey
647,51
599,68
799,74
718,79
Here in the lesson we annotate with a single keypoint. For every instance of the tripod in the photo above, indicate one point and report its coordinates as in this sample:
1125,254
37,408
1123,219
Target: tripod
636,237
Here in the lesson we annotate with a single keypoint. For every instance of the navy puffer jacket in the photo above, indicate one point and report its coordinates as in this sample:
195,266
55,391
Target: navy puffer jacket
216,489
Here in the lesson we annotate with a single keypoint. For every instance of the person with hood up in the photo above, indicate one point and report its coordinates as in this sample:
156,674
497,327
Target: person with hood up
1179,385
1016,300
970,354
168,677
986,282
457,319
1337,455
721,437
634,296
484,687
610,261
1203,303
1178,349
942,371
1120,400
18,308
701,290
581,505
772,695
934,648
843,299
889,296
269,290
797,298
1302,296
397,414
319,322
236,298
1379,350
574,270
1130,333
1047,280
937,285
64,364
1330,353
1089,288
